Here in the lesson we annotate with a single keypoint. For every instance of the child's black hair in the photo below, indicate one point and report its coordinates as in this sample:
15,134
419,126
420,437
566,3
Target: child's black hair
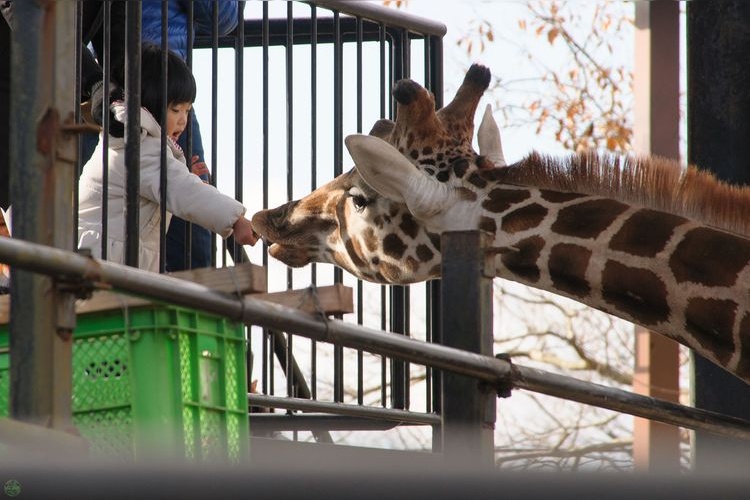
180,80
180,86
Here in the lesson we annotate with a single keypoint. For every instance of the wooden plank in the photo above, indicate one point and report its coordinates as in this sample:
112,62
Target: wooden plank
242,279
104,301
248,279
330,300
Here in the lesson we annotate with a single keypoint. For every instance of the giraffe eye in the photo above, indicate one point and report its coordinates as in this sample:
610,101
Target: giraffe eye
359,200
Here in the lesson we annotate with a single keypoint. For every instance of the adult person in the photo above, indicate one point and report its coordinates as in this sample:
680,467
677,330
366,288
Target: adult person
178,41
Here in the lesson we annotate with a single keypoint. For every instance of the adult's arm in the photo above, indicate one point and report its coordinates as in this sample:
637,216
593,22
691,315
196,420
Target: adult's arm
203,12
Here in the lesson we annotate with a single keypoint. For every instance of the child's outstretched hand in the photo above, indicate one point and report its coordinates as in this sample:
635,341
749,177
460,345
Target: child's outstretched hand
244,233
199,168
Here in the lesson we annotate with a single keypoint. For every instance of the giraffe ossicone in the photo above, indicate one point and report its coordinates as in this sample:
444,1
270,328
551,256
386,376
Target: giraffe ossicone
488,138
640,238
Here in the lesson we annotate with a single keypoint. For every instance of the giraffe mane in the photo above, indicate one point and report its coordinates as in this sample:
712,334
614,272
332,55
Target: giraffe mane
649,181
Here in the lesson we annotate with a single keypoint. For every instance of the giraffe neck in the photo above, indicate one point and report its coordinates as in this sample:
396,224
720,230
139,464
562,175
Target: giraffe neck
669,273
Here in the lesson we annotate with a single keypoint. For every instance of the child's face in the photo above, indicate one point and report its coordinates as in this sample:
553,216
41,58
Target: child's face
177,117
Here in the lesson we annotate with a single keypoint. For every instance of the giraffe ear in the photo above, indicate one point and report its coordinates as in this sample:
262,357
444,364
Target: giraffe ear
389,173
488,137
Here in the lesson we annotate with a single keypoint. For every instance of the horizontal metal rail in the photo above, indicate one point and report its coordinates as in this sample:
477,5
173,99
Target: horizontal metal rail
279,31
393,23
498,373
385,15
401,416
265,423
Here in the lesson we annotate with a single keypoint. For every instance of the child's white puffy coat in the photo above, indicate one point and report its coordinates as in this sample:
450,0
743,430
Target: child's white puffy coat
187,196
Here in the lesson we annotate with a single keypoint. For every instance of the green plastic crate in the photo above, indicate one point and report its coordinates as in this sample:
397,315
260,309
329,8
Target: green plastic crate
156,381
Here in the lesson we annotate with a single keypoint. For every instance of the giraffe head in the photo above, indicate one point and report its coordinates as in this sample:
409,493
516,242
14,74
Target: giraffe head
348,223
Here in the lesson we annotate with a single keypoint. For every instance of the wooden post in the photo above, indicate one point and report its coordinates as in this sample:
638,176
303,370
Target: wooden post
468,406
44,157
656,446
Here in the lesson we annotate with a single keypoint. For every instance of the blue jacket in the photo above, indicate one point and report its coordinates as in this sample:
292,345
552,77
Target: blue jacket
177,21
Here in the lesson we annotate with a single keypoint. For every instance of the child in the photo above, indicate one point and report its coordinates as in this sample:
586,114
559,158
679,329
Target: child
187,195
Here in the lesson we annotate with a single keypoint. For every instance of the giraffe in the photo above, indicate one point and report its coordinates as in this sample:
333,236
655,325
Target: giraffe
639,238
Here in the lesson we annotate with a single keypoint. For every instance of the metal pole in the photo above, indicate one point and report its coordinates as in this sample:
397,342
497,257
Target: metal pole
375,412
434,286
496,372
338,160
132,131
468,407
45,155
390,17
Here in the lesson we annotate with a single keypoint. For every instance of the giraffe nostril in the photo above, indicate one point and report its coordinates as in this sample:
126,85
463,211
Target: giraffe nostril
280,214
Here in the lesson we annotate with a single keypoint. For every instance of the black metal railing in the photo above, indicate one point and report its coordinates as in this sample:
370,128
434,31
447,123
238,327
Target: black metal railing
330,27
337,37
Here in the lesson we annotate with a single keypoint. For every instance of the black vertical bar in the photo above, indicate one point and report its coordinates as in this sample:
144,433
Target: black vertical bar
383,99
289,166
132,130
407,332
238,253
338,140
398,303
271,354
107,70
266,42
187,239
398,367
289,71
268,353
383,359
718,132
427,56
427,59
239,71
214,119
428,338
435,286
468,410
163,152
436,69
360,288
338,144
398,61
406,53
77,111
314,167
79,54
290,389
264,362
359,74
